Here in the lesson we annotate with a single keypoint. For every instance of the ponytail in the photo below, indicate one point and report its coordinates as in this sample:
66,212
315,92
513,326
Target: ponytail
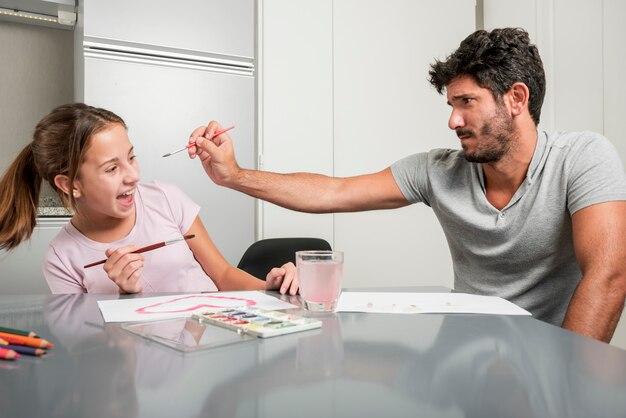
19,196
59,143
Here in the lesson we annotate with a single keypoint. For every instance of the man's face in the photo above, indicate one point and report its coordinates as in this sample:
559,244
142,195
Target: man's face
484,125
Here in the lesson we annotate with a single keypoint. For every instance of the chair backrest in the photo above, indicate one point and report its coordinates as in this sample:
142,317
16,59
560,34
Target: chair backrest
265,254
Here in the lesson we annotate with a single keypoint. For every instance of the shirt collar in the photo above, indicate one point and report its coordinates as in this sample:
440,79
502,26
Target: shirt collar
540,149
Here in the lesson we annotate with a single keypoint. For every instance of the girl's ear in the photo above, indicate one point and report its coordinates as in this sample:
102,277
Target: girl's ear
63,183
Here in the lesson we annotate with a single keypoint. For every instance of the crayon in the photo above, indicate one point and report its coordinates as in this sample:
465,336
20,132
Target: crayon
28,341
22,349
6,354
18,332
3,342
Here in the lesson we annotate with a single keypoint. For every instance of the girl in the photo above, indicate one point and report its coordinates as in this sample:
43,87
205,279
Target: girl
84,153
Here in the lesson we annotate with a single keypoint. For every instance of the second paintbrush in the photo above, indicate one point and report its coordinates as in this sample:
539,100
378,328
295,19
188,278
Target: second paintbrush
148,248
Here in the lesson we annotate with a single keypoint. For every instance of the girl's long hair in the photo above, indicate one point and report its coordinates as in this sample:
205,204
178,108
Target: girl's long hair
59,144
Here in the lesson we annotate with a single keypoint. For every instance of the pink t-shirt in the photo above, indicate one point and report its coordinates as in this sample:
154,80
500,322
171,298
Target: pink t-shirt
163,213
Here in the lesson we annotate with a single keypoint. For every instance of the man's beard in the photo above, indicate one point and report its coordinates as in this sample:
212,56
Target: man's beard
496,137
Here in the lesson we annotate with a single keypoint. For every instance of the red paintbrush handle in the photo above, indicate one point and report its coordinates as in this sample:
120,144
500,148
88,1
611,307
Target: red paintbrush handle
146,248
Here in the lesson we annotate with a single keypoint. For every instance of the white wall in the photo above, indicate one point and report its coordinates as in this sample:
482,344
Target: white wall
295,102
613,71
581,44
385,109
343,91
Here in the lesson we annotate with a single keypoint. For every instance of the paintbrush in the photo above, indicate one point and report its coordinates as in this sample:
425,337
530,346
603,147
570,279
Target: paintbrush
148,248
191,145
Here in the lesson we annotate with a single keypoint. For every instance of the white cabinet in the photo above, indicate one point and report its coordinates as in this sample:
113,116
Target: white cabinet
36,74
167,68
161,105
343,91
21,269
217,26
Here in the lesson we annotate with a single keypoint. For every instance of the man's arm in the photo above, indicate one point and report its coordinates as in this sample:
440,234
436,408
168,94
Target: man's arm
305,192
599,233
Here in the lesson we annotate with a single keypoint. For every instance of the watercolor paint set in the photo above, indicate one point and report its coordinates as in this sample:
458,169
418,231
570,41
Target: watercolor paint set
186,334
258,322
217,327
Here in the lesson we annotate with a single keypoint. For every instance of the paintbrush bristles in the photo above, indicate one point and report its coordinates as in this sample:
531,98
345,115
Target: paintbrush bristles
174,152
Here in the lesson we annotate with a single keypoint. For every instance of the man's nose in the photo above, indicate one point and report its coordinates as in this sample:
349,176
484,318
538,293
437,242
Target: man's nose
456,120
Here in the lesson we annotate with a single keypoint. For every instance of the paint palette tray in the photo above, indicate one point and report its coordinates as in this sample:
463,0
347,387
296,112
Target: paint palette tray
258,322
185,334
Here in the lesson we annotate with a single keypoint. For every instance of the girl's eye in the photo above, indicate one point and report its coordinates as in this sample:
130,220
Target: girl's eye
112,169
132,157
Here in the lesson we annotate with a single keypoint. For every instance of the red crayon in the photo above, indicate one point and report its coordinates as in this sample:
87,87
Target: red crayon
7,354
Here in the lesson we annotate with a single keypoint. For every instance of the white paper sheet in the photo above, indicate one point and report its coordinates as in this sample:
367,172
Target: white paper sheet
410,303
176,306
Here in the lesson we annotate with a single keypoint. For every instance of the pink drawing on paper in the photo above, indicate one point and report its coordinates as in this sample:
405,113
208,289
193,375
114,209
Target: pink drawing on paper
193,302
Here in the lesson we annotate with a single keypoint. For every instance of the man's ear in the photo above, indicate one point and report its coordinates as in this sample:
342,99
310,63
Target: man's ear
63,183
518,98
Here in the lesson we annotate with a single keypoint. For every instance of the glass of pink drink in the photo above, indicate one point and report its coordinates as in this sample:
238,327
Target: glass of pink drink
319,274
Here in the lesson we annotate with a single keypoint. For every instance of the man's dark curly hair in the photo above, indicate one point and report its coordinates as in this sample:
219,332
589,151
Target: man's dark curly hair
496,60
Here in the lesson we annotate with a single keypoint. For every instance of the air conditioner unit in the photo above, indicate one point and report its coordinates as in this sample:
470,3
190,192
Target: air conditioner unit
60,14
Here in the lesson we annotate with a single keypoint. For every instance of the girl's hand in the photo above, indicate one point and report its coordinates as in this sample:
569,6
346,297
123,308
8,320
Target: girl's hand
285,278
124,268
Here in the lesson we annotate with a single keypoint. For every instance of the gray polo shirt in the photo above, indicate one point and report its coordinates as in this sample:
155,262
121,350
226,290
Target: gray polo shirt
524,252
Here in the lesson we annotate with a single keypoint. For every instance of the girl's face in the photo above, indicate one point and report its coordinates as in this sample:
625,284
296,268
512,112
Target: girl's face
107,178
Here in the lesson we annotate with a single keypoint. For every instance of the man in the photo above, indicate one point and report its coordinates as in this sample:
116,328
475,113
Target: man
536,218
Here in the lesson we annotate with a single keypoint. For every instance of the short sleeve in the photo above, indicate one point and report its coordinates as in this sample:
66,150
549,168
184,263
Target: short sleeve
595,173
57,276
410,174
184,210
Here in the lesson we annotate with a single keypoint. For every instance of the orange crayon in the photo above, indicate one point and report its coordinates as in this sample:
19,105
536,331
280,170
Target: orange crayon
28,341
8,354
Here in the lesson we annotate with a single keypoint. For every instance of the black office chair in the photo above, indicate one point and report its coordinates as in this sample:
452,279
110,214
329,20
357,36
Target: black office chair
265,254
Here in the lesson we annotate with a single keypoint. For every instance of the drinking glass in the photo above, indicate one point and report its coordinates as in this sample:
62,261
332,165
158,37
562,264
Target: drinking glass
320,274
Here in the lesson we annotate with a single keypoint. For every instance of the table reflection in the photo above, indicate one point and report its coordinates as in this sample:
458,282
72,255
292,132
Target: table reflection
356,364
